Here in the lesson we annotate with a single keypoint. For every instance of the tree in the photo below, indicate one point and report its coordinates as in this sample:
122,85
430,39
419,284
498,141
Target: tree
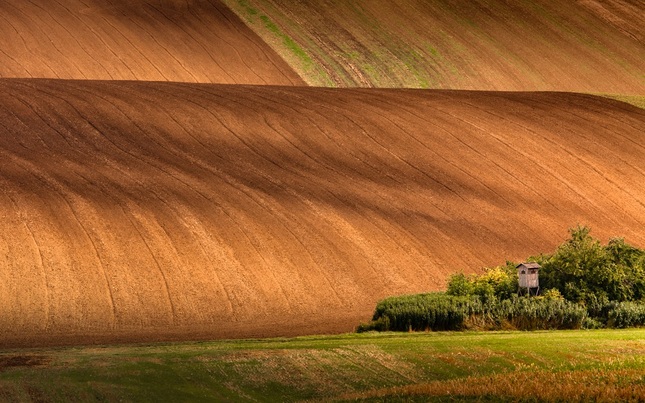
583,270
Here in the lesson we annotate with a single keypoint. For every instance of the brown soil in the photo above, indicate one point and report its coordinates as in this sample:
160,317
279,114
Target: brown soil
13,361
171,40
147,211
540,45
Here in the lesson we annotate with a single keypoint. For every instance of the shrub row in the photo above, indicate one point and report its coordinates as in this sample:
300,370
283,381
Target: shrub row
583,284
439,311
626,314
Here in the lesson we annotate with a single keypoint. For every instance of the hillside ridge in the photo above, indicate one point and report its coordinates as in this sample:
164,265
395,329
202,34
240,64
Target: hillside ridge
137,210
593,46
187,41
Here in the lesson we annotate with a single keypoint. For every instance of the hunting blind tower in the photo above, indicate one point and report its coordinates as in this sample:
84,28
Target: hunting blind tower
528,278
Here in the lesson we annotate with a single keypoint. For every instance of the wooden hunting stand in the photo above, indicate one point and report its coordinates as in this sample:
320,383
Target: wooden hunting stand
527,274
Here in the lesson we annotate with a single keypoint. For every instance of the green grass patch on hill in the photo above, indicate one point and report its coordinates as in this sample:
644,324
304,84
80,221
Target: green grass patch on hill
296,53
288,42
251,14
403,366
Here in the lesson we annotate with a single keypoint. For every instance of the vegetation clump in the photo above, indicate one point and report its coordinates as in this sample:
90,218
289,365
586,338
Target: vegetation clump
584,285
585,271
442,311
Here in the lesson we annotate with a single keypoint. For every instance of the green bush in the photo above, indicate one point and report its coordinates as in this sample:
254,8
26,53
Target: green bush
433,311
592,323
440,311
460,285
499,282
543,313
582,269
585,285
552,293
382,324
626,314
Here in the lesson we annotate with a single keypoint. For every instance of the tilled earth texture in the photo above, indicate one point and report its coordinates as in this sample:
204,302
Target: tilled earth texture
135,211
198,41
593,46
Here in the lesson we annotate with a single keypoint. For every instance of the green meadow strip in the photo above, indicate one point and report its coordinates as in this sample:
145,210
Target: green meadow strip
370,366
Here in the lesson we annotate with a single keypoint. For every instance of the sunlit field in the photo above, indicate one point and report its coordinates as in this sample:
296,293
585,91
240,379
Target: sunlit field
558,365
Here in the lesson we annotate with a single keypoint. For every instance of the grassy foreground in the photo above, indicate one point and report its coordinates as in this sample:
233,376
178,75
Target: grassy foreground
556,365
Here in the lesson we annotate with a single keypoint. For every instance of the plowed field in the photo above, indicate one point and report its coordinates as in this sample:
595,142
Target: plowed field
171,40
137,211
539,45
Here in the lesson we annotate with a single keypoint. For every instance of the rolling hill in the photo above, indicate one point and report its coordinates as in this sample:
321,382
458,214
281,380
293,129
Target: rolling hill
139,211
169,40
166,172
595,46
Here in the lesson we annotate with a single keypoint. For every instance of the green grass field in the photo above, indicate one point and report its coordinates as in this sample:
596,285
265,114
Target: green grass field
492,366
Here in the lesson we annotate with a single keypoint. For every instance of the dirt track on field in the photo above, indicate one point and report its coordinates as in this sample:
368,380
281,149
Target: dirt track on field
540,45
170,40
144,211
